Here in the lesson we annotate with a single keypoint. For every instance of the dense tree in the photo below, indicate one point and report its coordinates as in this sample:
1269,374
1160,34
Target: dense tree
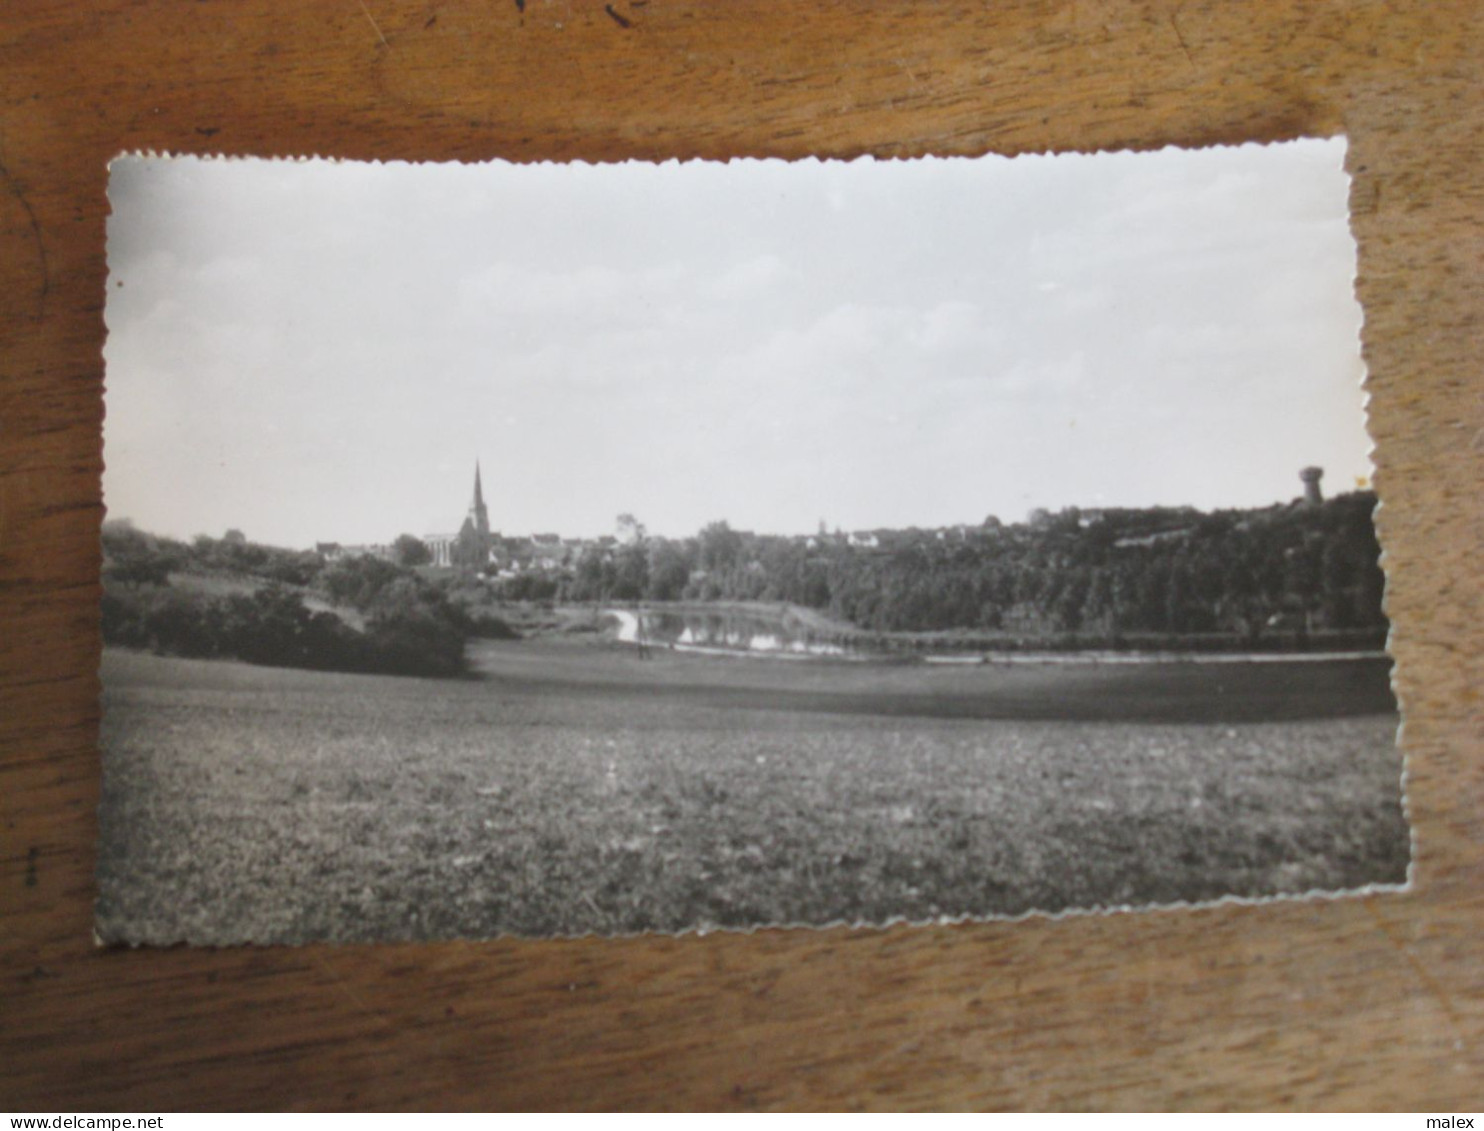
409,550
1104,575
630,529
359,581
1149,570
411,628
720,547
630,572
132,557
669,569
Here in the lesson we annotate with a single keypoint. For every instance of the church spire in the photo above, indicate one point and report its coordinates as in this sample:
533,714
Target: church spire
478,515
471,550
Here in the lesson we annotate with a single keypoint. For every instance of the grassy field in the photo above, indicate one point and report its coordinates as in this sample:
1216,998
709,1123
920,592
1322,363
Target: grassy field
572,788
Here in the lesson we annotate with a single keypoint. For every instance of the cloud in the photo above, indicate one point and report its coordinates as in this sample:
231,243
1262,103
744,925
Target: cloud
590,296
750,277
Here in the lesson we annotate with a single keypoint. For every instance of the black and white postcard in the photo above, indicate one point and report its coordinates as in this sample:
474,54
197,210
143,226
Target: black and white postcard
547,550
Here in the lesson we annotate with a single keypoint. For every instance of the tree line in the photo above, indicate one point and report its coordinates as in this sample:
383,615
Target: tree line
1092,578
406,623
1290,569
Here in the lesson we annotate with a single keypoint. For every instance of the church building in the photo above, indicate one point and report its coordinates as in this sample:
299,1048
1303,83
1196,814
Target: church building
469,549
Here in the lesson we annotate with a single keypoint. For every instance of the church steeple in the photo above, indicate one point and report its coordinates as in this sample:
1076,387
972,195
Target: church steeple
471,549
478,515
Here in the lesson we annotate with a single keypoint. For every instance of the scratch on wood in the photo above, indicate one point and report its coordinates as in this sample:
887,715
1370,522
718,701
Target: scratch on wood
373,23
618,19
345,989
1185,47
46,273
1431,984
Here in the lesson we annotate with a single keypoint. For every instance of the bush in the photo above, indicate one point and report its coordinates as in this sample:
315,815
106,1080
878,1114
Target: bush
134,558
527,587
273,627
359,582
415,642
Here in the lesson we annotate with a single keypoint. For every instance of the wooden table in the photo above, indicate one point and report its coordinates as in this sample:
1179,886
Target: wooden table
1357,1002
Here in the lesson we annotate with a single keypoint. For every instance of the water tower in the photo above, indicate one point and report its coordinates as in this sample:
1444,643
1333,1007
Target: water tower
1311,476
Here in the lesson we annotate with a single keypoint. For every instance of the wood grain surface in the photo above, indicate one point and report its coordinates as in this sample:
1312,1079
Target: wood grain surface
1350,1003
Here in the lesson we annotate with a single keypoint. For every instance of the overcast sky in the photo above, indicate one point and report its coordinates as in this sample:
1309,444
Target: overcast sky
313,351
